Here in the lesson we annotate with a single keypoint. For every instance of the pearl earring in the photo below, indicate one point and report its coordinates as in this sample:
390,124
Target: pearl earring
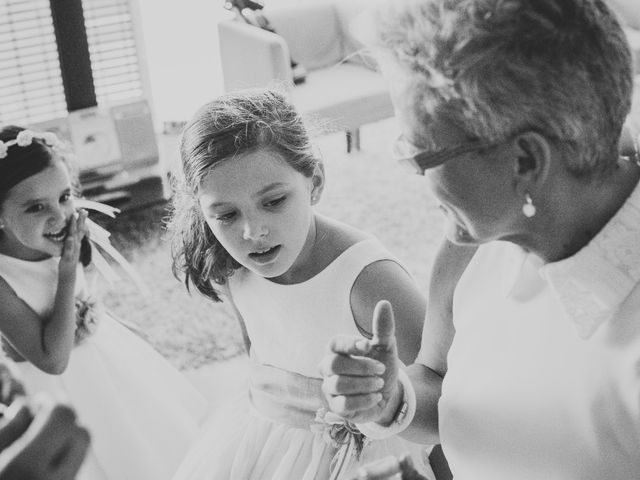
528,209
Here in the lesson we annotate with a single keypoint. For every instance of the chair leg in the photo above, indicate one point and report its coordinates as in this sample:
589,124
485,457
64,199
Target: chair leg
353,140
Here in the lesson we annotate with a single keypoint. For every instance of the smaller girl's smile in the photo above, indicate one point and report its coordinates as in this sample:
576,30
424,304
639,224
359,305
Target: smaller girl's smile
37,213
58,236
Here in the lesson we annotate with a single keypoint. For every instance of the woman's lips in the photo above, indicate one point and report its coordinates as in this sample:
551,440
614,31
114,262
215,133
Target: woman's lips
265,256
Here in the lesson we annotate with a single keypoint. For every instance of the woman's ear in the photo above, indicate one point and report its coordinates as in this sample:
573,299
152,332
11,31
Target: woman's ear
317,182
532,160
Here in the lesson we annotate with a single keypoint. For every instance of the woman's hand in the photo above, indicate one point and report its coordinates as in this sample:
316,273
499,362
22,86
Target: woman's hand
361,376
71,249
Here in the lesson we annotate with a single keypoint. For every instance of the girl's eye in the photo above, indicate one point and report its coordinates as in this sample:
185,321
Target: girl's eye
225,217
65,197
35,208
275,202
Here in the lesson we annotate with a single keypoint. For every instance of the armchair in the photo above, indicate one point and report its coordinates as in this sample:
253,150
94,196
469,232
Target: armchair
342,86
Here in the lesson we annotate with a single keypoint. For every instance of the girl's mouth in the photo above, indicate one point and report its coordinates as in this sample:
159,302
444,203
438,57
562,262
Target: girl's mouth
58,236
266,255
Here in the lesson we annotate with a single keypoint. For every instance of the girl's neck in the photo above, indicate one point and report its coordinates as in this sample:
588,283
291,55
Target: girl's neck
305,266
327,240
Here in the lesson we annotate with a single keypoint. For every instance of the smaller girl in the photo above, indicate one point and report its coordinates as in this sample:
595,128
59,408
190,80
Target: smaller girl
141,413
245,230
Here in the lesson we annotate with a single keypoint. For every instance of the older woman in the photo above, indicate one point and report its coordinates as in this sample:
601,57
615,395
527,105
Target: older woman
512,110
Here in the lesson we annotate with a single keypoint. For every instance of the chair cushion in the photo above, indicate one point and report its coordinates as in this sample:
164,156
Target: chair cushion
312,32
346,94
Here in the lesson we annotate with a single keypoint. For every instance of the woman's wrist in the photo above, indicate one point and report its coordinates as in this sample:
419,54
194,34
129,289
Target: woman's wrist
403,415
395,404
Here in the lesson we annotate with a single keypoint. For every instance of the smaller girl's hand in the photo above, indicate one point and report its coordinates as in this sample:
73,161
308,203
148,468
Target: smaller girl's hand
71,249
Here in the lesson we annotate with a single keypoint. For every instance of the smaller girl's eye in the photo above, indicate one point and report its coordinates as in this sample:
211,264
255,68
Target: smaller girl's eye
65,197
35,208
275,202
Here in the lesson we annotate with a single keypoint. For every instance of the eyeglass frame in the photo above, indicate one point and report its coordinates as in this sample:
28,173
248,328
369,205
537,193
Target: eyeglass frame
424,160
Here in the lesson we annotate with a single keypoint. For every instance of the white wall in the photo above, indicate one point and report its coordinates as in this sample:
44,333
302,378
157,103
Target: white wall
182,56
181,45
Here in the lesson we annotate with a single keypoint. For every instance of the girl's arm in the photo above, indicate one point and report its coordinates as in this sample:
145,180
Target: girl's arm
386,280
47,342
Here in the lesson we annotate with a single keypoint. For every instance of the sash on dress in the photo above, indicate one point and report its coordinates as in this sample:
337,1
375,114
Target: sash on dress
296,400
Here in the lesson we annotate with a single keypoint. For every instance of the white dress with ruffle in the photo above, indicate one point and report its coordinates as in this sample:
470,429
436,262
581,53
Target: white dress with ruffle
141,412
280,431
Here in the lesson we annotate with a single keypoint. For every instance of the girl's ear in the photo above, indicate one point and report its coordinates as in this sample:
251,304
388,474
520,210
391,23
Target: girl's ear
317,180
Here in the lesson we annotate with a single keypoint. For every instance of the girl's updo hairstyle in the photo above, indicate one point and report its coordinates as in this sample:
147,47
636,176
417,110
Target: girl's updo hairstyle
21,162
234,124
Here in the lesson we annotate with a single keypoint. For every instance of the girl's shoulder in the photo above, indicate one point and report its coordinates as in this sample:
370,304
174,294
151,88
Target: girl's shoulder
334,238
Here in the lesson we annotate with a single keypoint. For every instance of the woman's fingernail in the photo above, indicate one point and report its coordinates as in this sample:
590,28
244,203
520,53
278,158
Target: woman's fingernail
379,368
362,345
379,383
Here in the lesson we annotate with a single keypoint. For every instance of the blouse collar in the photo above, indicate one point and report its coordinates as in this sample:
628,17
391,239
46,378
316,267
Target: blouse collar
594,282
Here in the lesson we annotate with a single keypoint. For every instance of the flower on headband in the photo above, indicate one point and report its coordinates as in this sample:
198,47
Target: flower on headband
24,138
50,139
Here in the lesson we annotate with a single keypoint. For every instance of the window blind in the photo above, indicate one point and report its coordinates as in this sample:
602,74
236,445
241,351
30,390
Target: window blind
113,51
31,87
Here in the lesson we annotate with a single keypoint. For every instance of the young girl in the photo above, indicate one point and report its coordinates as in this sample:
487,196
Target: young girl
245,231
141,413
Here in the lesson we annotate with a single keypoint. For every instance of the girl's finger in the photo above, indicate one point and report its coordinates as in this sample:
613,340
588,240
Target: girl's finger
349,345
349,385
347,365
353,406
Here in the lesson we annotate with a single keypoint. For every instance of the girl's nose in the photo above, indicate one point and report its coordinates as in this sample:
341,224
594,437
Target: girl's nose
59,215
254,230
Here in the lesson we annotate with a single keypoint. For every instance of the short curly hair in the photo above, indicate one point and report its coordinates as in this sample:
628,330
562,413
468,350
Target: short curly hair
495,68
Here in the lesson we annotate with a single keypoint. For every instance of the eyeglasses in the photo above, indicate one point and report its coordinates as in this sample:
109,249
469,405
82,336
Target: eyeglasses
418,160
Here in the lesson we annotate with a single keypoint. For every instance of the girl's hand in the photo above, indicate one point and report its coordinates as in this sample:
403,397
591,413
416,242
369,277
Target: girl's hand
361,376
71,249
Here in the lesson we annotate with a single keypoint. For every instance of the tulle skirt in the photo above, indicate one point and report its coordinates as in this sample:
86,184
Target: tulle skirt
141,412
279,430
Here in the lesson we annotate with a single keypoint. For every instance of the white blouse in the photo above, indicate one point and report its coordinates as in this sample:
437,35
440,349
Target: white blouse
543,376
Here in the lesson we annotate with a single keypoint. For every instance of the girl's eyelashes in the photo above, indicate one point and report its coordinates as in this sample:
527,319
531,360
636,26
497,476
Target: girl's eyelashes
225,217
65,197
275,202
35,208
228,217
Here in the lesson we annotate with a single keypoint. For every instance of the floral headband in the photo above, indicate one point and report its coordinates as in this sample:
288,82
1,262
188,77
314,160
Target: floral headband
25,138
